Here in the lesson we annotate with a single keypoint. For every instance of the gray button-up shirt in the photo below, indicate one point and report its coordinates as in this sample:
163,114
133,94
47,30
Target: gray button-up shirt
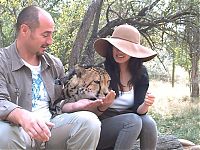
16,80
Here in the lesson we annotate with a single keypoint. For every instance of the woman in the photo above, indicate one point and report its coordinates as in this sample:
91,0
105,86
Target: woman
125,120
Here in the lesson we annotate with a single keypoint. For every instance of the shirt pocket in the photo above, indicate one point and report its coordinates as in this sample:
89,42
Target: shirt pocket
13,93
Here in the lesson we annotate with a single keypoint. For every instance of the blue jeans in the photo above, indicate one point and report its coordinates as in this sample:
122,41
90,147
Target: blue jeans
78,130
122,131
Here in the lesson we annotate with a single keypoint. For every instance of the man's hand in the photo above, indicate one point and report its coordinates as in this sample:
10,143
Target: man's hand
36,128
90,105
86,104
82,104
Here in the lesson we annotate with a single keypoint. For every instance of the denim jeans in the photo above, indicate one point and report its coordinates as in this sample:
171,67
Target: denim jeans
72,131
121,132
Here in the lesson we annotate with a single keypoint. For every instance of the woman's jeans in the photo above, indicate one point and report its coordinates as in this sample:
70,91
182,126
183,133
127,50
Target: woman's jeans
122,131
72,131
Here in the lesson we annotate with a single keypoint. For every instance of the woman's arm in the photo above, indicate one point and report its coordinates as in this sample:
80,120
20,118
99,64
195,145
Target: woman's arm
140,90
144,107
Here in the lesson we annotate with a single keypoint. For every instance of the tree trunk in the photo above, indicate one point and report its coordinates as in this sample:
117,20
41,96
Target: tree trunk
195,76
88,53
193,41
1,35
82,34
195,54
173,69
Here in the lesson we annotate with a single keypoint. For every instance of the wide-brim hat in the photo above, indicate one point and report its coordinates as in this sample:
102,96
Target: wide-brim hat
126,38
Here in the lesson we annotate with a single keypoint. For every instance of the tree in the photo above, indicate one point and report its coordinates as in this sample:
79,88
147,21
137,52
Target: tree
1,34
88,53
193,40
147,17
162,24
83,32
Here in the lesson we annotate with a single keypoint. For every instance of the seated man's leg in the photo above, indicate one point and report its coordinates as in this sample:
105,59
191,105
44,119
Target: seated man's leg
13,137
78,130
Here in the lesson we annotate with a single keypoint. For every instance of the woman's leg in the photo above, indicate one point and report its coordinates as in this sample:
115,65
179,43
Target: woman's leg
120,132
148,135
75,131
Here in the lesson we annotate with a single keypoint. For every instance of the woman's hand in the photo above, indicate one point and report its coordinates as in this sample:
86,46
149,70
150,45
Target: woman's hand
86,104
90,105
149,99
82,104
107,101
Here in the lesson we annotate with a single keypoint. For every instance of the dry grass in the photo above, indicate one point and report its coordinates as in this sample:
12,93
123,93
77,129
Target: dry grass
175,112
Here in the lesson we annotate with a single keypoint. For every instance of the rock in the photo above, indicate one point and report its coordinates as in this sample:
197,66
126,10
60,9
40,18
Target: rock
171,142
185,142
165,142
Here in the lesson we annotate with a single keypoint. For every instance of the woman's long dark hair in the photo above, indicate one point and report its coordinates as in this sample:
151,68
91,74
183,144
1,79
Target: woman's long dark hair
134,65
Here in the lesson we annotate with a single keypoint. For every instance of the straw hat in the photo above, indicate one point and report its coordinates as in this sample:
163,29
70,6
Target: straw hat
127,39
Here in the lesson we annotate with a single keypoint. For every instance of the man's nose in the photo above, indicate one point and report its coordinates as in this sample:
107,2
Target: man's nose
50,40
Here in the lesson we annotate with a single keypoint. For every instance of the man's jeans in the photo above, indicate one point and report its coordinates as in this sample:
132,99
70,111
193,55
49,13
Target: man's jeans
78,130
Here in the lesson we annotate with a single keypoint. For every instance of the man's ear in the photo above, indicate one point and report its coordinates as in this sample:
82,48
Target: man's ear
24,29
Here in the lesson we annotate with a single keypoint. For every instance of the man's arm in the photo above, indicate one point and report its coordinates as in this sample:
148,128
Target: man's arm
36,128
13,113
6,106
97,106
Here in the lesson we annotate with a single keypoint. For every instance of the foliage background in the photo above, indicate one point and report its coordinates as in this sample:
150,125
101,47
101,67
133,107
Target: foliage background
163,28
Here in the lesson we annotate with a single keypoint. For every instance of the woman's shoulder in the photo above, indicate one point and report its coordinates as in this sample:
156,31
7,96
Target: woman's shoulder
144,71
144,78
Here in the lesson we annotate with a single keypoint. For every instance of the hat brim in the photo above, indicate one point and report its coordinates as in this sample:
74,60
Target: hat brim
102,45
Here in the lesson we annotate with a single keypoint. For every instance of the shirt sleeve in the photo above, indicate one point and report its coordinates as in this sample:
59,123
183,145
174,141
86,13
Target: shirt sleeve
6,106
140,89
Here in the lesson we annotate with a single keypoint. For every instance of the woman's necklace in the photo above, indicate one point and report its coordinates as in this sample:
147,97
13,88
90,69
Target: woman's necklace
125,77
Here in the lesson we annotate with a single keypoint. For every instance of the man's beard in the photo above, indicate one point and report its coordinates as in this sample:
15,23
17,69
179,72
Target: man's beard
39,54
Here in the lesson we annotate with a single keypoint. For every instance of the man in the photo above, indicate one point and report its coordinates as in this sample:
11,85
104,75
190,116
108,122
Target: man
29,89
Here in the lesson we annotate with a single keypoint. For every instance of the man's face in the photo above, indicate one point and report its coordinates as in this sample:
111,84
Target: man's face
41,37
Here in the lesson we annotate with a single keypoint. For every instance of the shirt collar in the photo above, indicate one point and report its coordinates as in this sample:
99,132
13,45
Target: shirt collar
17,63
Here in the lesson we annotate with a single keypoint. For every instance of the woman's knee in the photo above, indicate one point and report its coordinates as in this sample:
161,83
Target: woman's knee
149,127
148,136
131,119
148,121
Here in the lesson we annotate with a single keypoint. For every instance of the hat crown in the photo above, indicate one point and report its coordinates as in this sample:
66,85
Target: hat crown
128,33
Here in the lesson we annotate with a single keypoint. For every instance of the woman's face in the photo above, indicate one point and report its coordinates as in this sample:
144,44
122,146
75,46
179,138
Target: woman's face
119,56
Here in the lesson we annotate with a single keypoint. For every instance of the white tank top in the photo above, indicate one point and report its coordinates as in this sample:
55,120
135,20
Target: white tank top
124,101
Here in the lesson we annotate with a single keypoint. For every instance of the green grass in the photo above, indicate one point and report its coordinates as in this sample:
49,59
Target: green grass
174,111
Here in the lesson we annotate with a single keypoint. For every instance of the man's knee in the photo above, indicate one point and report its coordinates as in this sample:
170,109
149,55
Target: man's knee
90,120
83,121
5,133
11,136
